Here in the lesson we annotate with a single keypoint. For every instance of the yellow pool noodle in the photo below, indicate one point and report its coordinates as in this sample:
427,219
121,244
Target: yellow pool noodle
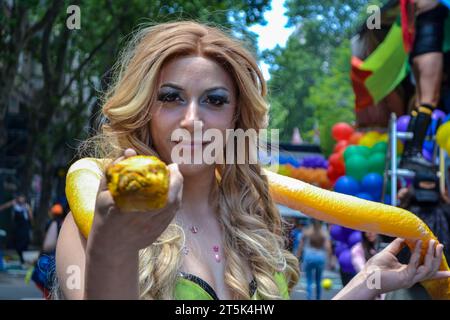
83,179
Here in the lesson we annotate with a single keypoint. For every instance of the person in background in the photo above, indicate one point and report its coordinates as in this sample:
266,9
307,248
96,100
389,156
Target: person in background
52,228
44,269
423,198
364,250
296,235
427,60
313,249
22,221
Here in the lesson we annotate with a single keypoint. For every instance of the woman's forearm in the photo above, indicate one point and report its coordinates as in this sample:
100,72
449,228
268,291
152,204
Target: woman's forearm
357,289
110,274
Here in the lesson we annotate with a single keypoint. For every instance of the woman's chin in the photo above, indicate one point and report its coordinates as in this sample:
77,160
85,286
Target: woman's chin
195,169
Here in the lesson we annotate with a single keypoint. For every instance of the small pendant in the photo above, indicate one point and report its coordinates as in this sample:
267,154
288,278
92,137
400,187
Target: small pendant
216,255
194,229
185,250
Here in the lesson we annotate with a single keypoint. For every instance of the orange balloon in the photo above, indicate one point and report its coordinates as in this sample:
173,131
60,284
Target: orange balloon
355,137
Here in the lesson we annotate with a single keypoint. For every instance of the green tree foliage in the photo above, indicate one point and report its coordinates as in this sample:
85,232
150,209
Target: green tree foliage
293,71
310,77
58,74
332,96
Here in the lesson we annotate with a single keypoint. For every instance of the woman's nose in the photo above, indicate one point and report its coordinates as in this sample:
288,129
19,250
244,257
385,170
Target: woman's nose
192,115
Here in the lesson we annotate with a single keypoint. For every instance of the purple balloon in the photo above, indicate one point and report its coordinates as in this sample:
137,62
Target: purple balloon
438,114
345,261
354,238
313,162
402,123
339,248
347,232
338,233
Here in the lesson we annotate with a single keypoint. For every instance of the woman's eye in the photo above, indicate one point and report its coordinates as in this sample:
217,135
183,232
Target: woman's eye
169,97
217,100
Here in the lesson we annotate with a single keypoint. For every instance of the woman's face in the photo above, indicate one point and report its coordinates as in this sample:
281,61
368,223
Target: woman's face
371,236
193,93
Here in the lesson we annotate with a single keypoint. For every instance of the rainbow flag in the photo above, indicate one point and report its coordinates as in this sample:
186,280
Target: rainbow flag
376,76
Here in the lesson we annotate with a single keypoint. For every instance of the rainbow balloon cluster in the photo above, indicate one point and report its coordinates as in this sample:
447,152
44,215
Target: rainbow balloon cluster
355,168
358,162
311,169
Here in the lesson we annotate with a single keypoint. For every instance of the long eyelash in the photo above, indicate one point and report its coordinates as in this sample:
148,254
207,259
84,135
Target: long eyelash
164,96
222,100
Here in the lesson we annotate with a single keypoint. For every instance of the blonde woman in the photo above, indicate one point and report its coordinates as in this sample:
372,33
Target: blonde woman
220,235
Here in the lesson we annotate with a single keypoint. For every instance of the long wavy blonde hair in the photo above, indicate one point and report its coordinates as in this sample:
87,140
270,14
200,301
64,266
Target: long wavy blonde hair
251,222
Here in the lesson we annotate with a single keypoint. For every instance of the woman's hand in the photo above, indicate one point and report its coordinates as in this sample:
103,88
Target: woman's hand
393,275
112,250
384,273
130,231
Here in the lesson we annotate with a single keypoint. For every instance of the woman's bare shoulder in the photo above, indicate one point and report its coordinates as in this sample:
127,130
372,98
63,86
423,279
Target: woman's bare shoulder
70,259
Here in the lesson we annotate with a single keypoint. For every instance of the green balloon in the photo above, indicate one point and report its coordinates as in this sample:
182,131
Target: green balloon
353,150
377,162
380,147
356,167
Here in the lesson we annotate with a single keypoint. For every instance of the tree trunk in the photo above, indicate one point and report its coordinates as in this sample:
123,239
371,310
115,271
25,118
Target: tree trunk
41,214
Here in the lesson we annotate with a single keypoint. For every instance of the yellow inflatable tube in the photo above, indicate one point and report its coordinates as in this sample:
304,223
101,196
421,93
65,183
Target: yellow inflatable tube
83,179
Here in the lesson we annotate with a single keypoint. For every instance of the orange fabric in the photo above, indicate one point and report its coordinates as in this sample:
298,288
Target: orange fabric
363,97
57,209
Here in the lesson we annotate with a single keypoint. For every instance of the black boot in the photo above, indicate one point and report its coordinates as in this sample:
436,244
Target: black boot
412,157
407,147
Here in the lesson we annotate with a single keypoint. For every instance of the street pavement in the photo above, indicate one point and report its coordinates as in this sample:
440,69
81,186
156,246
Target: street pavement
299,292
13,284
13,287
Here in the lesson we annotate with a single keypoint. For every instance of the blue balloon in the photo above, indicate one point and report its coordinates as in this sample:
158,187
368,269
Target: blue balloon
447,118
372,184
347,185
294,162
428,145
282,159
365,196
354,238
387,199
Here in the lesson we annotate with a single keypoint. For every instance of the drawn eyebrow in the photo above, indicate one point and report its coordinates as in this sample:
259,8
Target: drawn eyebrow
216,88
175,86
172,85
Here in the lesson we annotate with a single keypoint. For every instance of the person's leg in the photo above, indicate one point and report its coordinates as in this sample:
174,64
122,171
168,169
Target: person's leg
20,253
308,267
319,271
427,70
427,61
